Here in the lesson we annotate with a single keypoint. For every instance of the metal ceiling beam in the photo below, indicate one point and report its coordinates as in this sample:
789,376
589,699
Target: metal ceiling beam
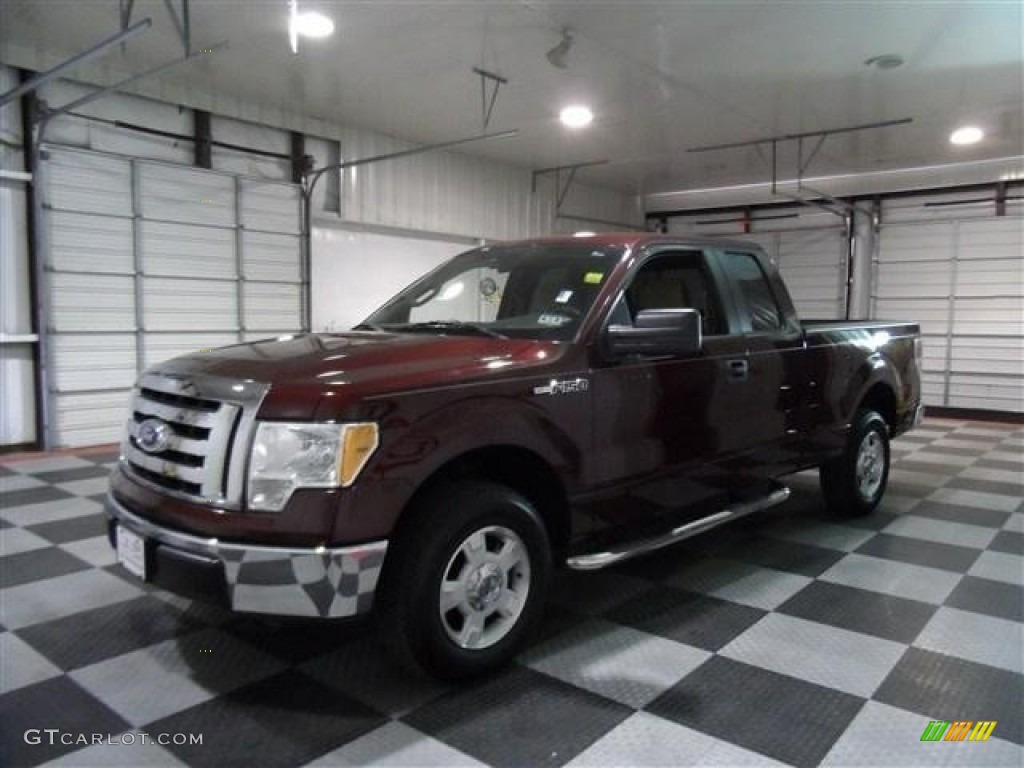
804,135
92,53
557,170
181,23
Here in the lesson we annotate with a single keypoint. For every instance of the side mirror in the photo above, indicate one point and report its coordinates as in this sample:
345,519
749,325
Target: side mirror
656,333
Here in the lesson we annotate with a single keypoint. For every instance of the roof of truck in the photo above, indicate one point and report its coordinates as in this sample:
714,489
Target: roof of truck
630,240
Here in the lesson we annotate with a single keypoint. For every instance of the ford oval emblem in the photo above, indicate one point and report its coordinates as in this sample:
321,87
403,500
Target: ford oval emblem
153,436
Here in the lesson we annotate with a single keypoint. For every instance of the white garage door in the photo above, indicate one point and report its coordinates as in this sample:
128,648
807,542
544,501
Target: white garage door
958,269
148,261
809,245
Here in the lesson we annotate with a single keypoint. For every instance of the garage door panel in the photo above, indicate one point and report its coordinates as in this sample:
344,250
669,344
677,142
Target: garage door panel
91,418
271,207
986,355
185,249
86,243
931,314
270,306
920,242
927,279
981,278
988,317
186,195
91,303
92,361
88,183
992,239
189,305
933,388
986,392
268,256
158,347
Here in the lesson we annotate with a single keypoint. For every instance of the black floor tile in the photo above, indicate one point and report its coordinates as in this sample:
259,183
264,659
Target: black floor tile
1014,490
71,475
293,641
1010,542
932,554
73,529
948,450
947,688
33,496
909,489
286,720
37,564
788,556
959,514
519,718
893,618
103,633
56,703
687,617
876,521
784,718
995,598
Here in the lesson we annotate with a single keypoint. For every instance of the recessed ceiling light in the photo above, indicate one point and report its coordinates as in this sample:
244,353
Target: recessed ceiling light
969,134
313,24
576,116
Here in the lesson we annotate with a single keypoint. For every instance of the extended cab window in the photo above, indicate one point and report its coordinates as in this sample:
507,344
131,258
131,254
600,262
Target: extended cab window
756,294
674,280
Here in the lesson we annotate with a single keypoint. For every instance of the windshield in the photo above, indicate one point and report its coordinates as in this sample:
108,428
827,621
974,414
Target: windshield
536,291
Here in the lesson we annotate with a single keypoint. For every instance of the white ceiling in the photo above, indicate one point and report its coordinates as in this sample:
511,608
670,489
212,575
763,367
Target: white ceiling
662,77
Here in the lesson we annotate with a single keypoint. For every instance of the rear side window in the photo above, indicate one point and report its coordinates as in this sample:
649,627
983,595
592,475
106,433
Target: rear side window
759,302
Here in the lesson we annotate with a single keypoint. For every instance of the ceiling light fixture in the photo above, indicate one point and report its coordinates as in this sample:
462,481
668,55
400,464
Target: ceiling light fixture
306,24
558,56
576,116
969,134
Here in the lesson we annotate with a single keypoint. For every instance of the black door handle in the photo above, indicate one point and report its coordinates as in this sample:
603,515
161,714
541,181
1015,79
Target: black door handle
738,370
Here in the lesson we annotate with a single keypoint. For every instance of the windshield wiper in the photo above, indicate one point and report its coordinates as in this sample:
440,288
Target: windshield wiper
455,326
367,327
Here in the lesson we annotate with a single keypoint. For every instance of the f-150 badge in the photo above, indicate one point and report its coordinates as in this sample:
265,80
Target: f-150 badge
563,387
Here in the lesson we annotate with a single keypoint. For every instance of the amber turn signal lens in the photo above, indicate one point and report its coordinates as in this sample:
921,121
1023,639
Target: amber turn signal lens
358,442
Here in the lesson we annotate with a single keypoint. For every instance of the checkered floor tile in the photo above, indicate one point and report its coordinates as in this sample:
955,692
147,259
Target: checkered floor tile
791,637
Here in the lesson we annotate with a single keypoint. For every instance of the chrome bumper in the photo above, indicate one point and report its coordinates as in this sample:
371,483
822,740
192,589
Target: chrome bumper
319,583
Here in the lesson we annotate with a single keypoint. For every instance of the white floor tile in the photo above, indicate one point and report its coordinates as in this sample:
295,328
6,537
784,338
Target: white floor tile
16,540
975,637
49,511
62,596
941,531
994,501
22,665
890,577
620,663
95,551
648,740
52,464
886,736
829,656
999,566
744,583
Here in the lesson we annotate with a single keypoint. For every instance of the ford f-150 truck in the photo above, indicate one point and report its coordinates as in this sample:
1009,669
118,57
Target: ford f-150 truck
558,402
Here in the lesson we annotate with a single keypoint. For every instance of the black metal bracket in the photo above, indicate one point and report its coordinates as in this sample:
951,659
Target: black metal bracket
487,105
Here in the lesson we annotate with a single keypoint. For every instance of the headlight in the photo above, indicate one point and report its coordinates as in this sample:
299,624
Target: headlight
286,456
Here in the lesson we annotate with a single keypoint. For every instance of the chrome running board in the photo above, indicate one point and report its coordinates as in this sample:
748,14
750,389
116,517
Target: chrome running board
596,560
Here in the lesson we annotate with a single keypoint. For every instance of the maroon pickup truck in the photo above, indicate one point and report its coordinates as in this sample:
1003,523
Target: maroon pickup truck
559,402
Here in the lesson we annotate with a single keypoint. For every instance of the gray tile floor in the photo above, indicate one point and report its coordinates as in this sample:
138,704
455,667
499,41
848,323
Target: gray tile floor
792,637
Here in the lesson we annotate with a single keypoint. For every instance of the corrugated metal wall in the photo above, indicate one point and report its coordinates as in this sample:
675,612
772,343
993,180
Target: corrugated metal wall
809,246
148,261
958,269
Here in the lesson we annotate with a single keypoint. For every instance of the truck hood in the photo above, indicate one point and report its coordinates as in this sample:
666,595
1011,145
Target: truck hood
301,369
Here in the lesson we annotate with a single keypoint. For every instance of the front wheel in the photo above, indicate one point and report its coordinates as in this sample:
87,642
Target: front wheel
466,580
853,484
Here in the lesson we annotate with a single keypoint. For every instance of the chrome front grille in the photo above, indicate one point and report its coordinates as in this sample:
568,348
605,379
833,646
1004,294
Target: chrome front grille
207,423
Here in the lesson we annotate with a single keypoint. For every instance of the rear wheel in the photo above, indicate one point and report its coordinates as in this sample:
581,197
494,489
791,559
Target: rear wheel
465,581
853,484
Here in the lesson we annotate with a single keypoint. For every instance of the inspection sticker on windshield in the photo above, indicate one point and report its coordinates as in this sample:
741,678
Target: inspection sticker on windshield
593,278
563,297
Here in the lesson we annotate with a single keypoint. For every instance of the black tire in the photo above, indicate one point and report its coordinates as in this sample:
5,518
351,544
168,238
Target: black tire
853,484
435,546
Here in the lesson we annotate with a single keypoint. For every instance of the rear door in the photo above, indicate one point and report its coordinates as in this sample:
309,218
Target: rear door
773,414
677,437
